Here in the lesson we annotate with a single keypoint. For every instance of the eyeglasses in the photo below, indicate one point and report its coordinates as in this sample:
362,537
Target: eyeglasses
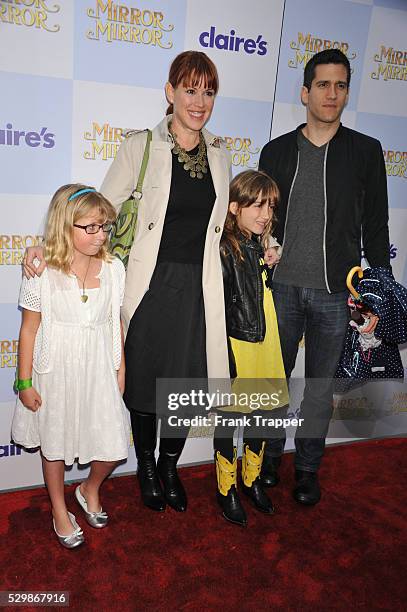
94,228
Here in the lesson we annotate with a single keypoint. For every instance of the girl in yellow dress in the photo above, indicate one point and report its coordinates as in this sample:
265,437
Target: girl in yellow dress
256,363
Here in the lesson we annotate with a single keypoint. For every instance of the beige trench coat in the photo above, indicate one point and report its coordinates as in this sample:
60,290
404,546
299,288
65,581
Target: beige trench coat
119,183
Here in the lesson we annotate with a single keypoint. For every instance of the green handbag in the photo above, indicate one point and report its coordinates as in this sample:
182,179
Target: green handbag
122,236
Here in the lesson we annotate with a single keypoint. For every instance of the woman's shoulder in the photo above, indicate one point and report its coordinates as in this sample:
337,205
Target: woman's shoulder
134,138
217,142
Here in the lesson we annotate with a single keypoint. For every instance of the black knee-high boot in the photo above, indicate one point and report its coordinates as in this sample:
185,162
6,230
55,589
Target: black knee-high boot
144,428
170,452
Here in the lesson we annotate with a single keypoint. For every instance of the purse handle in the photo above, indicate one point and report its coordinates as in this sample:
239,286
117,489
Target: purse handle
138,191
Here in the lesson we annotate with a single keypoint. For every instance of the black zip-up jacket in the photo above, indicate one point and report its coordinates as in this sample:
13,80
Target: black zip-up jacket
243,287
244,293
356,206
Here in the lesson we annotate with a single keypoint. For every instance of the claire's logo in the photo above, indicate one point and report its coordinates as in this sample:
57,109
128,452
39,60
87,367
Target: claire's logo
393,251
16,138
233,42
9,450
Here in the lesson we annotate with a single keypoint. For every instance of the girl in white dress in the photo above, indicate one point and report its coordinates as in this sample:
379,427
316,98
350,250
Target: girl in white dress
71,366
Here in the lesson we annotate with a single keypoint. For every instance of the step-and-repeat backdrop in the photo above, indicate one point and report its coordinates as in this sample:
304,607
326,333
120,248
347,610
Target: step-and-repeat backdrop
76,73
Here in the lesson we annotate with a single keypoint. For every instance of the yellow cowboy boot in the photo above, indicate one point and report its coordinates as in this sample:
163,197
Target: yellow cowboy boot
252,487
227,496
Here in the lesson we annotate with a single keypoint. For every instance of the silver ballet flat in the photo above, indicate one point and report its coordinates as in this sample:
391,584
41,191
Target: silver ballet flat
75,538
95,519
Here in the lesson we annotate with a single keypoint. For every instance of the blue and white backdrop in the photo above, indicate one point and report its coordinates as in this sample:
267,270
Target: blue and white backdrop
75,73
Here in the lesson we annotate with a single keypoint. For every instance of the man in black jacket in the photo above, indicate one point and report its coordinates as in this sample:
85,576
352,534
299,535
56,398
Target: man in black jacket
333,198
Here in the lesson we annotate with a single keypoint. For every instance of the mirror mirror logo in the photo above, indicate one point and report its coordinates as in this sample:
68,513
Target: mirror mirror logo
16,138
233,42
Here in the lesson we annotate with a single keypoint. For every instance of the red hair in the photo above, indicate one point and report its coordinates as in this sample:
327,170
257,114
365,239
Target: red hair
191,68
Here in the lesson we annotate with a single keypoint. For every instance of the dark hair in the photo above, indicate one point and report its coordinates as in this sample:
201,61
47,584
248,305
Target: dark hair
328,56
244,190
191,68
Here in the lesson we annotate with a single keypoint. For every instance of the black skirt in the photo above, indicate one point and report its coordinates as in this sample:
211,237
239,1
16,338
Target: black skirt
167,334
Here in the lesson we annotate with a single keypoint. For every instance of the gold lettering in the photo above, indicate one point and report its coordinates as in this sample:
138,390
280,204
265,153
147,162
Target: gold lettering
16,242
317,44
117,135
7,346
8,361
5,257
300,59
101,7
135,16
146,36
301,41
123,13
147,21
97,130
4,242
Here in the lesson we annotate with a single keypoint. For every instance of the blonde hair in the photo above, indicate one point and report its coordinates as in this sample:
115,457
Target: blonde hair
62,214
244,190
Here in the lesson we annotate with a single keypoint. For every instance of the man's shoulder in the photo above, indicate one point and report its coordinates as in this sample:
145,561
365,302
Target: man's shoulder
282,141
276,150
359,138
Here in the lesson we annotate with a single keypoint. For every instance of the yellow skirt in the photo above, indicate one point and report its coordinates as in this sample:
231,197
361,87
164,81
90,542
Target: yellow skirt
261,382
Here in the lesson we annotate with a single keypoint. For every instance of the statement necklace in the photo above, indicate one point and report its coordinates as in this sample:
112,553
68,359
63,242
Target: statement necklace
84,296
196,165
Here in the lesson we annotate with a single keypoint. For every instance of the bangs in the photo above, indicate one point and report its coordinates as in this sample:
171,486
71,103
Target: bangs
194,69
205,79
95,202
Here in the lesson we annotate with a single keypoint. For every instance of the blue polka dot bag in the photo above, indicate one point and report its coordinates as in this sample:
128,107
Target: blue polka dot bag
377,292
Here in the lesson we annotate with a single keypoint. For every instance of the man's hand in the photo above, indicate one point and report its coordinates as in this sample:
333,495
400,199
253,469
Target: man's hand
271,256
29,268
30,398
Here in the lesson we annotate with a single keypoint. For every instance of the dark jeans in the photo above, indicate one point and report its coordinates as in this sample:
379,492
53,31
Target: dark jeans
323,317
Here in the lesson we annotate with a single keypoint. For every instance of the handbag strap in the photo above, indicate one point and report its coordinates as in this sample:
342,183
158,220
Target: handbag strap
138,192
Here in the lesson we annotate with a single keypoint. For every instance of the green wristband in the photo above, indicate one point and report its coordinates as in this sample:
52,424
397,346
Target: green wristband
23,383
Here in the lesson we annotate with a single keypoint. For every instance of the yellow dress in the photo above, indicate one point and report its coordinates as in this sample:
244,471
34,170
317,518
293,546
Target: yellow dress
260,368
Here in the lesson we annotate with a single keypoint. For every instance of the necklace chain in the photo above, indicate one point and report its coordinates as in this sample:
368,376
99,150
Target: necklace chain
196,165
84,296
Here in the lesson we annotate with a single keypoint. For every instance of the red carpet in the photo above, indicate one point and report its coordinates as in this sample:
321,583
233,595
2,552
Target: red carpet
347,553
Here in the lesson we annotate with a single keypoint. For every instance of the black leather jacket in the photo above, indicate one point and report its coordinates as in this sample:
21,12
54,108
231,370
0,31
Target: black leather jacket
244,293
243,288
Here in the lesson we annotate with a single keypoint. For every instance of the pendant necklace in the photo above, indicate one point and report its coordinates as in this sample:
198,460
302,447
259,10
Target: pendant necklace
196,165
84,296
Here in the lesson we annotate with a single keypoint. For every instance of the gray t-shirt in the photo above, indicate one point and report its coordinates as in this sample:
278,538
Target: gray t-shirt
302,260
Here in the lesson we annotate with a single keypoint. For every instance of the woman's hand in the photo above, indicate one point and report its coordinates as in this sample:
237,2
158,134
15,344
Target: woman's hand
271,256
30,398
29,268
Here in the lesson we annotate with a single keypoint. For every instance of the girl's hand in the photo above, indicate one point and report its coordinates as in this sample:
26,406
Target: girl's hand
374,319
121,376
271,256
30,398
29,268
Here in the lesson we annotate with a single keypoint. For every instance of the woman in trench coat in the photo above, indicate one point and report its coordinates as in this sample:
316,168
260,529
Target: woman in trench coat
173,310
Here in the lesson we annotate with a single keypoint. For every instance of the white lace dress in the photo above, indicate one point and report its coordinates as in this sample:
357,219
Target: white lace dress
76,355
